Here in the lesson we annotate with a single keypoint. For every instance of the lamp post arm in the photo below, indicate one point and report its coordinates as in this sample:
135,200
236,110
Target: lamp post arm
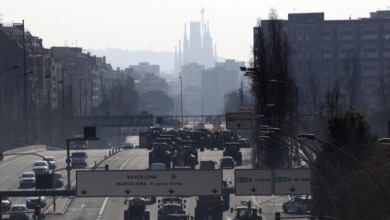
318,174
312,136
320,155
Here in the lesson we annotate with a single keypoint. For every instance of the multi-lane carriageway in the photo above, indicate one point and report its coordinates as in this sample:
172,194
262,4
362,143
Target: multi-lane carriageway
112,207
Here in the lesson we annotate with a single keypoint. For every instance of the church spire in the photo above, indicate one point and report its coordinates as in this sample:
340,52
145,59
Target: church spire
185,46
180,61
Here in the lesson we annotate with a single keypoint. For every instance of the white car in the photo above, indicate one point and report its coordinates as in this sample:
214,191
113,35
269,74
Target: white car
40,167
27,179
52,162
33,201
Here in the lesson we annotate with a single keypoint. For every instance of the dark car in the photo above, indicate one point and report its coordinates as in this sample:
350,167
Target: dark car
227,162
19,212
127,146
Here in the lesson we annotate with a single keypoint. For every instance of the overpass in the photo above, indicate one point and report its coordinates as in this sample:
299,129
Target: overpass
146,120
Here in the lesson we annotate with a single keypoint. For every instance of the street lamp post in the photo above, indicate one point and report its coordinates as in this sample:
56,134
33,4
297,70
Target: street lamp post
311,164
241,92
80,96
17,89
49,97
5,70
71,102
313,137
181,98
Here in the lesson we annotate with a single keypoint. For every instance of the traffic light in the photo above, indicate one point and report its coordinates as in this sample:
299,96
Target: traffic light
37,212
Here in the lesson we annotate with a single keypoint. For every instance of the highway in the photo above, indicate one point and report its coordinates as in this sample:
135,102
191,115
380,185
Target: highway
112,207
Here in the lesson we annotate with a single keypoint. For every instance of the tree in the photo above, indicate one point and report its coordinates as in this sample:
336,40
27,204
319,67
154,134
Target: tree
119,99
272,55
231,101
350,132
353,78
156,102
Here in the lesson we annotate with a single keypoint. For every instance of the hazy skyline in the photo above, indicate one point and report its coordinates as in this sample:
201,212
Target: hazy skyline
158,25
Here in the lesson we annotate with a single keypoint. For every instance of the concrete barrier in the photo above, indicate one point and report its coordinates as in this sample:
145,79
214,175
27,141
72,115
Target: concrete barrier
27,149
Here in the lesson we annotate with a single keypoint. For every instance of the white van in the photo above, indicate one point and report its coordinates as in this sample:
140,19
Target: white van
79,159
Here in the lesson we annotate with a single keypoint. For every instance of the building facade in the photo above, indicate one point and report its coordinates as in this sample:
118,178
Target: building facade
351,53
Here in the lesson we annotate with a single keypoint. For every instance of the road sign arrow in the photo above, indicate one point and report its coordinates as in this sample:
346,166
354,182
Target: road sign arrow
171,191
127,191
253,189
292,189
214,190
84,192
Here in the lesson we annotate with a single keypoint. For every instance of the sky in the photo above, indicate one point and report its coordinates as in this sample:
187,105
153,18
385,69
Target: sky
158,25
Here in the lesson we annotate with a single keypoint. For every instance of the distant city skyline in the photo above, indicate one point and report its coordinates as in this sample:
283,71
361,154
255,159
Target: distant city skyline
157,26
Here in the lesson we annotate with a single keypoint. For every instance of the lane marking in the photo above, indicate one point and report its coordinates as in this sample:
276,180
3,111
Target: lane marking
106,199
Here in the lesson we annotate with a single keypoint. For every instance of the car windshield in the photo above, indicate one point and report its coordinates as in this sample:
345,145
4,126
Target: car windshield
58,175
40,163
49,159
18,209
172,209
27,175
78,154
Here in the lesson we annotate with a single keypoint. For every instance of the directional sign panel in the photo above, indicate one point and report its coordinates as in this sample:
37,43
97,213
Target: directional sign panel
121,183
253,182
239,120
247,108
292,182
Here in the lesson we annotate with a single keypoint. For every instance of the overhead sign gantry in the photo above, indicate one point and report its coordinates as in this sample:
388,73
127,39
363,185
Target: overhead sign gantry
121,183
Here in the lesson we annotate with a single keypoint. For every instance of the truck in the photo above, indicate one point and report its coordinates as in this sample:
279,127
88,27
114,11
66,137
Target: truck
161,153
209,207
186,156
147,138
136,209
232,149
246,211
172,208
80,144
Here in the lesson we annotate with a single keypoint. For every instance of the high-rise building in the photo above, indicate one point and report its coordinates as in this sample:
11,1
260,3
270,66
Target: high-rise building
355,53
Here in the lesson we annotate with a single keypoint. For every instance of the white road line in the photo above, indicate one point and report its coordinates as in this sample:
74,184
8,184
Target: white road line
106,199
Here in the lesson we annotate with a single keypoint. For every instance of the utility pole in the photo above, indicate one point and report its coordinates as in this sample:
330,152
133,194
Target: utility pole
241,92
181,98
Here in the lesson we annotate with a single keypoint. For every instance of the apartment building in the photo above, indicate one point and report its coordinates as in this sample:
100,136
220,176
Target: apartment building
355,53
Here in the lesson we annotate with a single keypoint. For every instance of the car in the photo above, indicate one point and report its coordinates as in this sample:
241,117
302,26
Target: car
40,167
227,162
79,159
127,145
27,179
52,162
244,142
58,180
298,204
207,165
158,166
6,204
19,211
33,201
